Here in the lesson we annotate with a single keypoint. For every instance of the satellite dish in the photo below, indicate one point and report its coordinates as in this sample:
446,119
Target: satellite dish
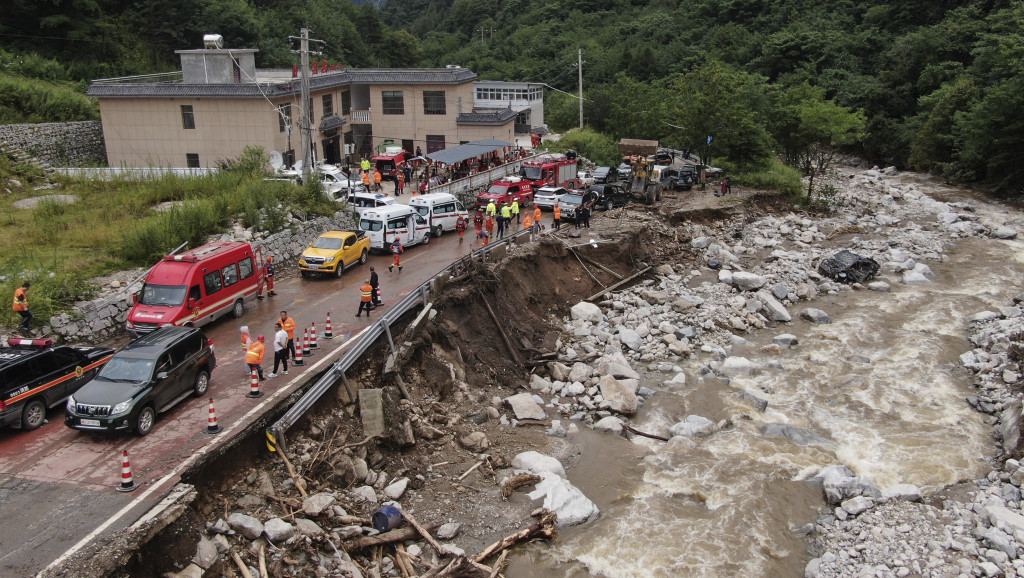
276,160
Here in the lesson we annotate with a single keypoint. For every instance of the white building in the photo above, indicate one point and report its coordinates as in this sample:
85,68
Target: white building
525,98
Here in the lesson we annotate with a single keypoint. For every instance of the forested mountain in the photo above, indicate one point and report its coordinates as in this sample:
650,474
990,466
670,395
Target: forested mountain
931,85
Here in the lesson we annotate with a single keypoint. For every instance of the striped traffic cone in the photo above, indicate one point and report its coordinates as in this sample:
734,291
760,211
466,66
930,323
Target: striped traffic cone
305,344
211,422
312,337
254,386
328,334
298,356
127,481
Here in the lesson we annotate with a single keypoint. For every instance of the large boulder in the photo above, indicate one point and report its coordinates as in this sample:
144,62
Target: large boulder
317,503
580,372
798,435
694,425
587,312
774,310
536,462
745,281
245,525
277,530
609,424
630,338
621,371
815,316
564,499
524,407
619,397
839,483
733,366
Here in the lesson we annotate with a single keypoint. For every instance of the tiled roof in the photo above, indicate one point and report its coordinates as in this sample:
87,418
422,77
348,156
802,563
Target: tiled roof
331,122
486,118
271,90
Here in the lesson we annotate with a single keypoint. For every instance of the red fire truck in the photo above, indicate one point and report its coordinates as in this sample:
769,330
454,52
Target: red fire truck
551,170
389,162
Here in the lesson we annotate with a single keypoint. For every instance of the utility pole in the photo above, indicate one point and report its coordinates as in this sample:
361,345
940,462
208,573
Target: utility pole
579,65
304,107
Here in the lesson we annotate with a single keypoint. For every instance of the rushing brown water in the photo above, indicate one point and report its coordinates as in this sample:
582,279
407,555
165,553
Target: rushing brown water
881,384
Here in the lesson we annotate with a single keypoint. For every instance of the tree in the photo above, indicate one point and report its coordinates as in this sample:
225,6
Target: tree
810,130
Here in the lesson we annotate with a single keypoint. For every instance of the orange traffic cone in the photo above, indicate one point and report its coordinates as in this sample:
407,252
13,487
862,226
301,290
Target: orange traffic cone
305,344
127,481
211,425
254,386
312,337
298,356
328,334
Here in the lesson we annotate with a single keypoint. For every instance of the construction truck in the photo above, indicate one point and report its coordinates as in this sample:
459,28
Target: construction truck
642,182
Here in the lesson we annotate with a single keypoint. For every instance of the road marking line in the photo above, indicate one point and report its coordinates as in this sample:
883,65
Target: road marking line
183,465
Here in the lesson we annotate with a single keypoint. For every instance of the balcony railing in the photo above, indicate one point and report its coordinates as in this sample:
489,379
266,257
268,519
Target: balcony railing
360,116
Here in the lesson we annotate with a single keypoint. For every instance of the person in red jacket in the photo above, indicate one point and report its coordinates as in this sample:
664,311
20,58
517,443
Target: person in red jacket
460,226
396,250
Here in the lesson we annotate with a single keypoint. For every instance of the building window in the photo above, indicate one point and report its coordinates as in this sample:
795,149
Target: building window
346,102
435,142
284,117
392,102
188,118
433,102
328,102
192,160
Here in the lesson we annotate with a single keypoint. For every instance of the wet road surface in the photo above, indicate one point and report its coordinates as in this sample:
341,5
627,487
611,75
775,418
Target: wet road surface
57,485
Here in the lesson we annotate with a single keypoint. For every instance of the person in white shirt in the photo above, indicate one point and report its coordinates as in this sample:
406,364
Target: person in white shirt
280,349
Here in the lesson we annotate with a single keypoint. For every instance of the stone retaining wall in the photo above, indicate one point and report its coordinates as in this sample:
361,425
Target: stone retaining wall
104,317
56,144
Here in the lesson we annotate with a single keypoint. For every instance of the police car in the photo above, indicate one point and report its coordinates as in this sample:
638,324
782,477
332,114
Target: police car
35,376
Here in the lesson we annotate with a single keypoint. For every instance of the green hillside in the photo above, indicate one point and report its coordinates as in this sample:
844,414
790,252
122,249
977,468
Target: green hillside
929,85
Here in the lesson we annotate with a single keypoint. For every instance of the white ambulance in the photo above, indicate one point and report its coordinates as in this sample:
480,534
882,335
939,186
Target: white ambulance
383,224
441,210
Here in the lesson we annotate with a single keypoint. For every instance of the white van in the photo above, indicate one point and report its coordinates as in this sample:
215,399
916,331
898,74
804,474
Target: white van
384,224
441,210
359,200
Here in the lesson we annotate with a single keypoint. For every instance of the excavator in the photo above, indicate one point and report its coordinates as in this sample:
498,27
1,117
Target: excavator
639,154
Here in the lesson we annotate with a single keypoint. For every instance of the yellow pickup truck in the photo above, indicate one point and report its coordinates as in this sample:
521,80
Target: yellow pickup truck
333,252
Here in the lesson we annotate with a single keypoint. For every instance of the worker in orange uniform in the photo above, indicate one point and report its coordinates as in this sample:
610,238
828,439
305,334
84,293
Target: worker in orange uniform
365,298
396,250
460,226
254,357
528,225
399,184
366,180
288,324
246,339
557,216
376,179
536,220
21,305
270,279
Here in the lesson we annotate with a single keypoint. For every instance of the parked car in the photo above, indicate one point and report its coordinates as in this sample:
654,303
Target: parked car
585,178
609,196
333,252
35,376
198,286
359,199
624,171
571,201
548,197
149,376
605,175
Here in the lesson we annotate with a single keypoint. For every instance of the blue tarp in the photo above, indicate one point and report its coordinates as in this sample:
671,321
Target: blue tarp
470,150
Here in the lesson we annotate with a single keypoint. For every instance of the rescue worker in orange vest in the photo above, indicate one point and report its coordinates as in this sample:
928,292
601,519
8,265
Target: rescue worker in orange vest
460,226
376,179
558,216
21,305
269,275
536,220
396,250
246,339
399,184
254,357
366,180
528,222
288,324
365,298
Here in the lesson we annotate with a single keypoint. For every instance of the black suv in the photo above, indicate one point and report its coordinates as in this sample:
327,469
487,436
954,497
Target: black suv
605,175
609,196
149,376
35,376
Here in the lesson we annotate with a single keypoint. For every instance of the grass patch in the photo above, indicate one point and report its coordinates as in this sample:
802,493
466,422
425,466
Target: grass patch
772,176
113,226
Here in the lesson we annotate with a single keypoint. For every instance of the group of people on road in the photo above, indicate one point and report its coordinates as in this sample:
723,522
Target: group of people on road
283,344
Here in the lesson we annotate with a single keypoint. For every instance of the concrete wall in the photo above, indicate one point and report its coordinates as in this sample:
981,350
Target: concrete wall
104,317
55,144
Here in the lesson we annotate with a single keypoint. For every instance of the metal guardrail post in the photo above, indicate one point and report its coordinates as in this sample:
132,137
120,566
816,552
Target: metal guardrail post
387,331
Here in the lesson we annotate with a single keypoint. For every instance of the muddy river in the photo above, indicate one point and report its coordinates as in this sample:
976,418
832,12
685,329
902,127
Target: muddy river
881,385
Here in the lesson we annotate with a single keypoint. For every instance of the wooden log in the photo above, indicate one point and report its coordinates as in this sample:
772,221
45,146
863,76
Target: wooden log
426,535
241,565
501,331
617,285
396,535
299,482
544,528
600,266
640,433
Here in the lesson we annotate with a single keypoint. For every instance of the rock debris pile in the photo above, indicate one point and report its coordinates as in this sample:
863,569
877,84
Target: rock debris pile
767,273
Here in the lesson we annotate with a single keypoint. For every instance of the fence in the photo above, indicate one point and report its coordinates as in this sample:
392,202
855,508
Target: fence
415,298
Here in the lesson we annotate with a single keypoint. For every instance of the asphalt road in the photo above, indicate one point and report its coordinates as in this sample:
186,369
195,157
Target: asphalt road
57,485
